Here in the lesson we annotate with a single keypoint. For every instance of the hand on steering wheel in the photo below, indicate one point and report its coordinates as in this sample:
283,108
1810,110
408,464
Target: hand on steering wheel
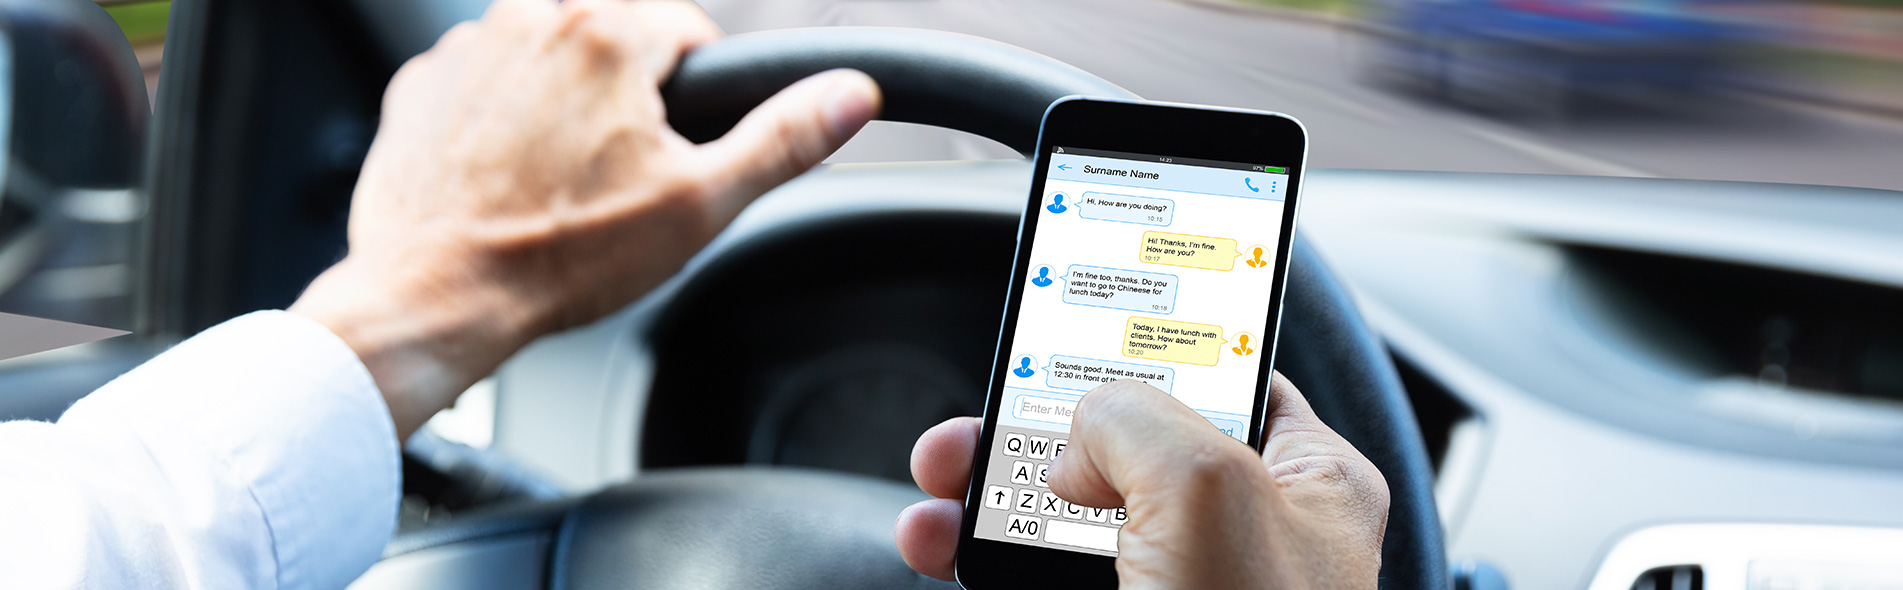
1205,512
523,181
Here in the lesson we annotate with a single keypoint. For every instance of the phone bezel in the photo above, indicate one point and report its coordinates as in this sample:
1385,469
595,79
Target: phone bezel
1163,129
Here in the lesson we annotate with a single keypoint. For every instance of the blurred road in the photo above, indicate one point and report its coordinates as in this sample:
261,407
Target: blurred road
1187,52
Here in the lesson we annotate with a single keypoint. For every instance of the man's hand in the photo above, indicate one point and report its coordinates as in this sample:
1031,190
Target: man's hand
524,180
1205,511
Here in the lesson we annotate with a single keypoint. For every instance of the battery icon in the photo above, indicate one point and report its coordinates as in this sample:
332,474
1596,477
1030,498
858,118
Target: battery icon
1274,170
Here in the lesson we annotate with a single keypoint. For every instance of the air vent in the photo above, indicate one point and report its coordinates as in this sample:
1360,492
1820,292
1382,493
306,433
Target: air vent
1671,577
1775,328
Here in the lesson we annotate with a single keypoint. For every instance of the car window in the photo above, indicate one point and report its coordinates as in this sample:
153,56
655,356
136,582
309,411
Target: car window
1782,91
1806,92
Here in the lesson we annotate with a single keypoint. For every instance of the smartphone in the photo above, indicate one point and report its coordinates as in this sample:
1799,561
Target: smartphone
1154,246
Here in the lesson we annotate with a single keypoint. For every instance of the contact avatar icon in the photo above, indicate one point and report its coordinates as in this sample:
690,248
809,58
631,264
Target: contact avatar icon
1057,204
1043,278
1242,345
1024,367
1257,261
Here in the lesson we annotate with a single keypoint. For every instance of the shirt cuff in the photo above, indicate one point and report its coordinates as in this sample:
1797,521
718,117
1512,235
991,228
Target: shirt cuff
294,416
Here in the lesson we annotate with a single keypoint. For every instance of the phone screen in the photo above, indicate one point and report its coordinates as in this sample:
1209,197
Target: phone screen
1149,267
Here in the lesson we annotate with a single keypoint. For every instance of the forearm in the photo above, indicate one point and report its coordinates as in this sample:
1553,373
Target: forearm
425,338
254,455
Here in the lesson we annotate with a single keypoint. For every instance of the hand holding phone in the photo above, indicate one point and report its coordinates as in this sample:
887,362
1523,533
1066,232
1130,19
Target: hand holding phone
1150,267
1205,513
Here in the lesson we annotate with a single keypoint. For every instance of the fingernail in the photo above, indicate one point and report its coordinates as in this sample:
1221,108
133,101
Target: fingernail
849,105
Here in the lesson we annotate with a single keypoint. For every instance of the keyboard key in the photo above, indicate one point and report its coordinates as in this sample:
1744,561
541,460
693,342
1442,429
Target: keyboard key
1021,472
1040,447
1101,538
1023,527
1013,444
1097,515
1051,505
1057,448
1044,475
998,498
1027,501
1118,516
1073,511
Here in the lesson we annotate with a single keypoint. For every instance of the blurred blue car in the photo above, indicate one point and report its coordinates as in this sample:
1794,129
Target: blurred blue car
1543,57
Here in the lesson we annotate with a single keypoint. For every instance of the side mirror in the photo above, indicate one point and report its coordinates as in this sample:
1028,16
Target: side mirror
73,112
76,99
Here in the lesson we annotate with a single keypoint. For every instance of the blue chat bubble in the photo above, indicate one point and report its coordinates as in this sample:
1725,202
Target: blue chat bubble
1115,288
1126,209
1082,374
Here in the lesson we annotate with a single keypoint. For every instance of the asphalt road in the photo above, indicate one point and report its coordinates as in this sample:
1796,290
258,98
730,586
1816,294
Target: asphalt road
1187,52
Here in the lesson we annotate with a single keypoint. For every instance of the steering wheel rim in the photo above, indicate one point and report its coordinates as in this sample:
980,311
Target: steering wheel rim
1000,92
935,78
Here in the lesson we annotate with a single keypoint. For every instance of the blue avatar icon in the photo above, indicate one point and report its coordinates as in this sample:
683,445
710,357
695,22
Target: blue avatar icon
1024,367
1057,204
1043,278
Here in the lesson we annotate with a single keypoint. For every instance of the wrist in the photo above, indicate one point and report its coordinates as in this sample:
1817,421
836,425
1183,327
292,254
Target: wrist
424,336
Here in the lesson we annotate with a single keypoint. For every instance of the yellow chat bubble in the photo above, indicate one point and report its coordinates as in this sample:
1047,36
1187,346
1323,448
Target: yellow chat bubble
1172,341
1187,250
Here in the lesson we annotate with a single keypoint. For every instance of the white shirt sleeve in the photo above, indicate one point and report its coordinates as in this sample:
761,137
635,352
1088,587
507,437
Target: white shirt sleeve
258,454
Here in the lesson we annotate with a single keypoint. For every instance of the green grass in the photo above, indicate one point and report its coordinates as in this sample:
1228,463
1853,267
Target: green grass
143,22
1829,65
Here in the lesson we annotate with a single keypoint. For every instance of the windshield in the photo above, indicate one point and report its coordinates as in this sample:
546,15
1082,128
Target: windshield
1769,91
1806,92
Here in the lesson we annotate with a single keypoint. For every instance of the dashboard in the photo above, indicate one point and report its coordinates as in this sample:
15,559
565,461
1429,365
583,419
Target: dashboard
1588,356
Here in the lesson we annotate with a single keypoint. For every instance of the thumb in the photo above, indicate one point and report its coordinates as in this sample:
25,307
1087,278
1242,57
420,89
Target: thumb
789,134
1129,441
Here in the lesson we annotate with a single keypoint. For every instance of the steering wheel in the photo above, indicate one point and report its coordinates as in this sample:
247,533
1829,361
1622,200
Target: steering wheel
761,527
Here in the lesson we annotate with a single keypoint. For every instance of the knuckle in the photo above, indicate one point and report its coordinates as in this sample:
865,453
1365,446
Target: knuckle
457,35
1115,396
506,11
1094,402
406,77
464,30
1374,485
1224,466
1116,392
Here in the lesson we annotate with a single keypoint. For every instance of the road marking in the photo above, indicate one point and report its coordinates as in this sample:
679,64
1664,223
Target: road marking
1564,158
1838,114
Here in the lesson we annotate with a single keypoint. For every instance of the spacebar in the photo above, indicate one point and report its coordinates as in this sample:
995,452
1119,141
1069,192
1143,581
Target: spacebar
1101,538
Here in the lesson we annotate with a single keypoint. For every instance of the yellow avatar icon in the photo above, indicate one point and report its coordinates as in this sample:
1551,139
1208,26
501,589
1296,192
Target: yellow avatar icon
1242,345
1256,261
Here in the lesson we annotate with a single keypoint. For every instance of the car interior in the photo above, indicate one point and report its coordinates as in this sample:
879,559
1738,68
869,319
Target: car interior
1568,381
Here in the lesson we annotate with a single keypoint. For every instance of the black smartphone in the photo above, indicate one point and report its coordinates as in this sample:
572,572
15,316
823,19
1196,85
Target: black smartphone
1154,246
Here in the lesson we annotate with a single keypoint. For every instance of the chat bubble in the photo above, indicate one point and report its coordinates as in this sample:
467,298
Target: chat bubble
1187,250
1130,290
1173,341
1126,209
1082,374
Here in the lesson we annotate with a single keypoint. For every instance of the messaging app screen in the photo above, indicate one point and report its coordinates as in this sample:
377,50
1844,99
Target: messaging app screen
1144,267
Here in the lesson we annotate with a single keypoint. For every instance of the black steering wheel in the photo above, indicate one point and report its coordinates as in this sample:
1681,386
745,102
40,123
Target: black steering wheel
758,527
